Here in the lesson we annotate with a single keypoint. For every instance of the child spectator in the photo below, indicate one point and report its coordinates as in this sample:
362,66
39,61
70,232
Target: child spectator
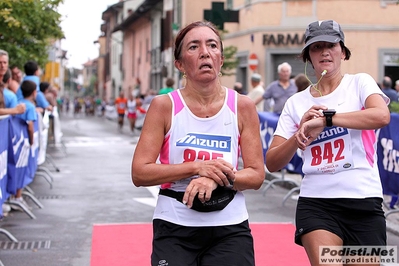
29,93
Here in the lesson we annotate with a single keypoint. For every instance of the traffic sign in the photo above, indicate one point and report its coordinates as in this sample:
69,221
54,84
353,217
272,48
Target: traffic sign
253,61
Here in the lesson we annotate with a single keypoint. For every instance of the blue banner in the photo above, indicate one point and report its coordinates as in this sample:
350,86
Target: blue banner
3,160
18,154
388,156
268,124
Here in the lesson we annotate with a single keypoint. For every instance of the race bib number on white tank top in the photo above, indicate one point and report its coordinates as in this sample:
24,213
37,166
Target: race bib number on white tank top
330,153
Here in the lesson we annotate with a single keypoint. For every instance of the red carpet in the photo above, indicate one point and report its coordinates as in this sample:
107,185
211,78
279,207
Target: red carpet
130,245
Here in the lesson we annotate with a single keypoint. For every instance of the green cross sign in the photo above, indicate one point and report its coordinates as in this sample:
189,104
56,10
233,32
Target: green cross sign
218,16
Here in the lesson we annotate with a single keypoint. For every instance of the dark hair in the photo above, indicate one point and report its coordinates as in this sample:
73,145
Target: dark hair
301,82
6,76
183,32
387,82
27,88
44,86
306,57
30,68
170,82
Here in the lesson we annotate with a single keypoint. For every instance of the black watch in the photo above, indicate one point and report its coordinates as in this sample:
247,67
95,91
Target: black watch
329,114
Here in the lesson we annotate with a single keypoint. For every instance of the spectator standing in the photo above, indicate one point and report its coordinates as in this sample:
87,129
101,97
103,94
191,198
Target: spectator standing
10,105
32,73
386,87
169,86
46,89
16,74
333,122
29,92
16,78
280,90
191,172
257,91
121,107
3,63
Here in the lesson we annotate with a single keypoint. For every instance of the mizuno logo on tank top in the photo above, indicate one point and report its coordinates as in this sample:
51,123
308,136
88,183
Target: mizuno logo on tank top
210,142
331,133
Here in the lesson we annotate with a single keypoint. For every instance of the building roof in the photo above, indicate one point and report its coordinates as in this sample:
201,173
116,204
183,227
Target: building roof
112,9
142,9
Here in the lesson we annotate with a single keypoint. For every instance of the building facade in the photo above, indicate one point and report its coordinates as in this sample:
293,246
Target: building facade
271,31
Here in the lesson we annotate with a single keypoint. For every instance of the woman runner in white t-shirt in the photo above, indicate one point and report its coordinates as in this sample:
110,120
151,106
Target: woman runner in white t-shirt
333,122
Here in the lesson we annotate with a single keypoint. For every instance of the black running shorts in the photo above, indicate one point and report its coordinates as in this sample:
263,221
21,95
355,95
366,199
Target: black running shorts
176,245
358,222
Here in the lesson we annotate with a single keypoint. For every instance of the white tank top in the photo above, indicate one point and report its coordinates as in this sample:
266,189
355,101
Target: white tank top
192,138
131,106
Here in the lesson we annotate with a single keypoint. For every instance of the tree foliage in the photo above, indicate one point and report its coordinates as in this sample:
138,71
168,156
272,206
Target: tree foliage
230,62
27,28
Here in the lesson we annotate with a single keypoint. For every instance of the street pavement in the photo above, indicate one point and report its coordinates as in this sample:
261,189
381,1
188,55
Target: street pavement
93,186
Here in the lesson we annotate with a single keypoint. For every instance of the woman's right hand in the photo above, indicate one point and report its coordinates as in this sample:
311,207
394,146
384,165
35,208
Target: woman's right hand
313,112
310,126
309,131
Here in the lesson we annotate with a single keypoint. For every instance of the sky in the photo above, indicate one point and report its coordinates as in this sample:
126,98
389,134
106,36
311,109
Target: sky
81,21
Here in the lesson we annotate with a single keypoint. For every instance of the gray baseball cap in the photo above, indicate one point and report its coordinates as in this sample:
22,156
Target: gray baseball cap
256,77
323,31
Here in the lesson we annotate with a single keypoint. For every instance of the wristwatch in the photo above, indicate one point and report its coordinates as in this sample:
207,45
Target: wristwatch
231,183
328,115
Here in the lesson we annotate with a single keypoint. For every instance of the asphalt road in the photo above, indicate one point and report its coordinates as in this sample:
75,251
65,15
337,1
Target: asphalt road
94,186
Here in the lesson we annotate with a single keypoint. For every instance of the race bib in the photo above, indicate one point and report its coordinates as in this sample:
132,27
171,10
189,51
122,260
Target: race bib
330,153
196,146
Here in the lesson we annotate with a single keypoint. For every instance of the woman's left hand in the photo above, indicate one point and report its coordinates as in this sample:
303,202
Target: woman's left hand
203,186
309,131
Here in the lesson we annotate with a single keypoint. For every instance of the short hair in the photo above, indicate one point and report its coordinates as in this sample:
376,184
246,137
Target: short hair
44,86
170,82
387,82
3,52
30,68
285,64
27,88
302,82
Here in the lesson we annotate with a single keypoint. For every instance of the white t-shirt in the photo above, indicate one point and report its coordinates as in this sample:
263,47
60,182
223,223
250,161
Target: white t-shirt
342,162
254,94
